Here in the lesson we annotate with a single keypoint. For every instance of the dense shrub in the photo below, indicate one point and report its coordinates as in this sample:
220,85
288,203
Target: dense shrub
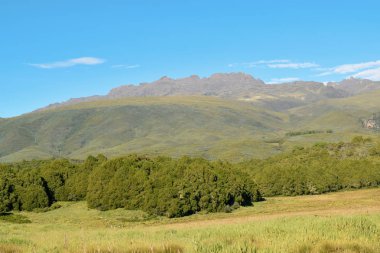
318,169
306,132
165,186
37,184
161,185
7,190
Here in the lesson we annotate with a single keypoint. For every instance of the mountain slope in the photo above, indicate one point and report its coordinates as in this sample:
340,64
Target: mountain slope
203,126
228,116
354,86
338,114
197,126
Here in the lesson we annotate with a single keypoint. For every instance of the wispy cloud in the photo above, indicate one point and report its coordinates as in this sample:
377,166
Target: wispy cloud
256,63
283,80
372,74
293,65
278,63
350,68
271,61
124,66
69,63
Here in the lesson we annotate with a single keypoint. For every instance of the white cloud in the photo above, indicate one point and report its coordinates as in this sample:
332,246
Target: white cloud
123,66
257,63
372,74
283,80
271,61
291,65
278,63
326,73
350,68
69,63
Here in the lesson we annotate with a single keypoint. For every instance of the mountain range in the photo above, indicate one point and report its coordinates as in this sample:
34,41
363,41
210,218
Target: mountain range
238,86
231,116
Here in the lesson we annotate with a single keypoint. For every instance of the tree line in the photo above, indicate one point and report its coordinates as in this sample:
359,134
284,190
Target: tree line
184,186
160,186
318,169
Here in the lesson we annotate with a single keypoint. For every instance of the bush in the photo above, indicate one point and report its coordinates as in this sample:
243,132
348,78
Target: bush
165,186
14,218
228,209
33,197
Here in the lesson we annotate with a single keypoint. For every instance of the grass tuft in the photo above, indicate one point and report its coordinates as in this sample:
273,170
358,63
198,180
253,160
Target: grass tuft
333,247
9,248
172,248
14,218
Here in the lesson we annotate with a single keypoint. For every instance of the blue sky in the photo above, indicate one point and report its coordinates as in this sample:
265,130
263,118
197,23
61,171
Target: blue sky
51,51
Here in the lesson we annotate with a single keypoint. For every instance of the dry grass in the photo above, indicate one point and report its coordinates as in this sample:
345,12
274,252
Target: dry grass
9,248
163,249
344,222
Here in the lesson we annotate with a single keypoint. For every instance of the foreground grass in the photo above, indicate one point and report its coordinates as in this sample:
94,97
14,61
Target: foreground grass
338,222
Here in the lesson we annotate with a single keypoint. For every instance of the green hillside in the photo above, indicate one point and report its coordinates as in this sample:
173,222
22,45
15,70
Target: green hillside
197,126
343,114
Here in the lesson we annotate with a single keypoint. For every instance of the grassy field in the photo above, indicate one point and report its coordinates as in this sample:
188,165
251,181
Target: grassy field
337,222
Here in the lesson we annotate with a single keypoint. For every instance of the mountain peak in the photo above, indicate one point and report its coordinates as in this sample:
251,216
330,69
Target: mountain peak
165,79
234,75
355,85
193,77
355,80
